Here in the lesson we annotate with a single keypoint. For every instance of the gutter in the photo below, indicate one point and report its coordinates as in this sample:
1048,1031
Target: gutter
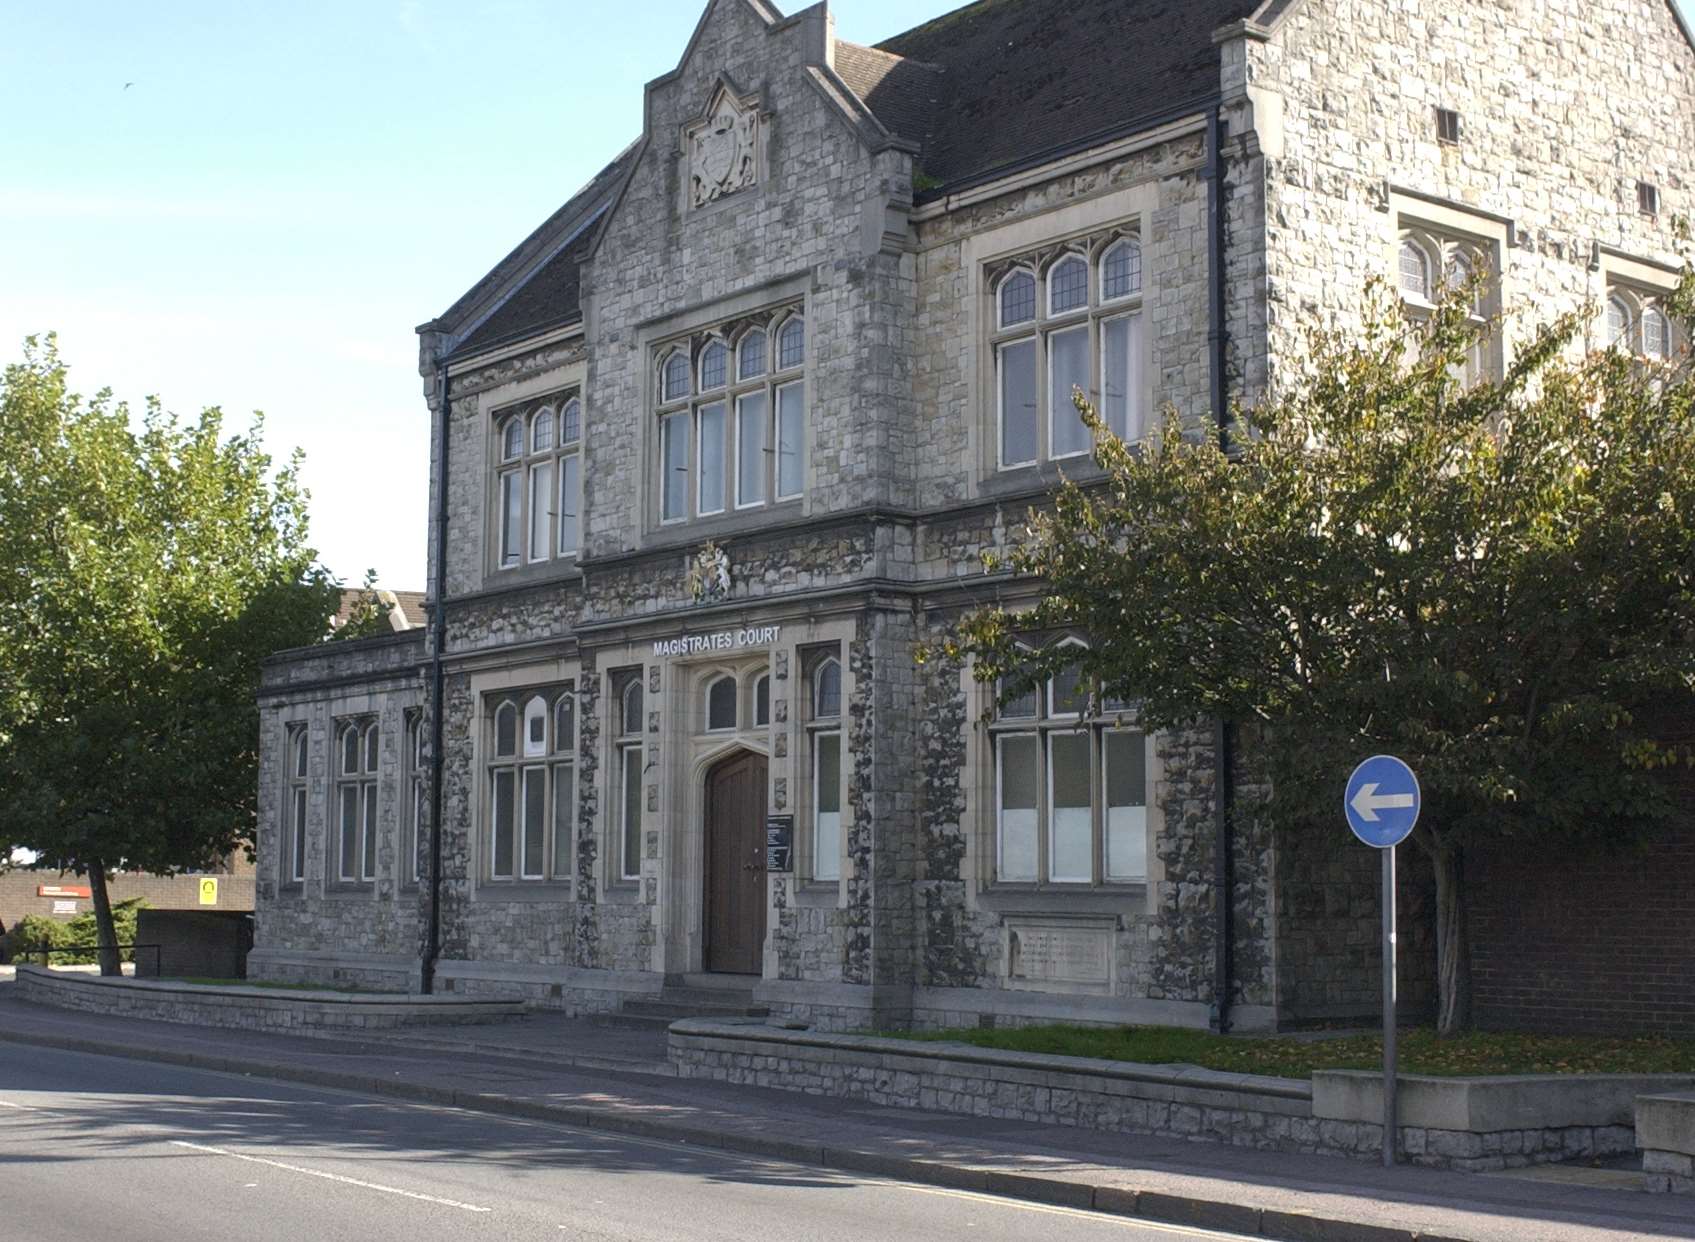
438,626
1224,841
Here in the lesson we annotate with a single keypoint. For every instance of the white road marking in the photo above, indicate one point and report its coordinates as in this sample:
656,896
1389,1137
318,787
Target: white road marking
1102,1218
22,1108
329,1177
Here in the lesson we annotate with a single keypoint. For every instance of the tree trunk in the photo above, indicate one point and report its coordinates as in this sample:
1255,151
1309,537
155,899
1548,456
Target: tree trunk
110,961
1453,946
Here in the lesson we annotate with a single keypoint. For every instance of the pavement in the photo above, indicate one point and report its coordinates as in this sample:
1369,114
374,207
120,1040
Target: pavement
579,1074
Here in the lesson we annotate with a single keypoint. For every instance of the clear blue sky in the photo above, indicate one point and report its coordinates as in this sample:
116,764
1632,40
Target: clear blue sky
285,191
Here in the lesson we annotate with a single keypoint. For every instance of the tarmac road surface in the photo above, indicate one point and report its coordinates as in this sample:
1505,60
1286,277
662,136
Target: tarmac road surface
100,1147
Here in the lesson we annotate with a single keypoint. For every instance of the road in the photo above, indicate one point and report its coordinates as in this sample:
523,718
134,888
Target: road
95,1146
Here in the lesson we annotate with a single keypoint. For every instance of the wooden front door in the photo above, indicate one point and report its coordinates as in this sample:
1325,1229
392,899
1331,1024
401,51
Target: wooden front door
735,865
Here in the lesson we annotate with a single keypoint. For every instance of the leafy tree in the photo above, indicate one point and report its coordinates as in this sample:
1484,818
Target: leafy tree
143,577
1493,582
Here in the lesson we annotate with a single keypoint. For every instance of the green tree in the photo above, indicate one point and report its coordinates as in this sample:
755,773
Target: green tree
143,577
1493,582
369,615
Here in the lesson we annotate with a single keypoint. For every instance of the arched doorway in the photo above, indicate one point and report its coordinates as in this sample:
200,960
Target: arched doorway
735,864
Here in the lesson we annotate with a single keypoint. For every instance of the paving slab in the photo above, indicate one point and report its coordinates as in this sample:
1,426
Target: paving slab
1266,1194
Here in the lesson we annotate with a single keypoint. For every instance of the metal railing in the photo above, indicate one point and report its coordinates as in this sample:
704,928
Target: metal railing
46,950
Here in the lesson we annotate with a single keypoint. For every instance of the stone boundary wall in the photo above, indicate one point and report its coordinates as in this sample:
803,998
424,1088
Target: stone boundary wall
1665,1127
1549,1120
252,1009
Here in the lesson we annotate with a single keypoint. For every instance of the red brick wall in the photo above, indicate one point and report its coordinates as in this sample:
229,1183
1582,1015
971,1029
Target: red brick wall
1587,940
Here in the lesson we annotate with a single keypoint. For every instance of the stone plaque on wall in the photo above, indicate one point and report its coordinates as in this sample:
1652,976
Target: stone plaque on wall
1059,955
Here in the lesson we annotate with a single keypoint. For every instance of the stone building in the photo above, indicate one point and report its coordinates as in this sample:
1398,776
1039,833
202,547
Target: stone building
717,448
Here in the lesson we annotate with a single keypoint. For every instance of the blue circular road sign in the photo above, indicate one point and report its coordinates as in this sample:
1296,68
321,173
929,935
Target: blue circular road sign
1381,801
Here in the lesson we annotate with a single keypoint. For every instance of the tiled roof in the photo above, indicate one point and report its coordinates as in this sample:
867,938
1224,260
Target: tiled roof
1021,79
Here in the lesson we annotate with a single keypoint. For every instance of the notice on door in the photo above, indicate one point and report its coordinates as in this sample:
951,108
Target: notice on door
779,842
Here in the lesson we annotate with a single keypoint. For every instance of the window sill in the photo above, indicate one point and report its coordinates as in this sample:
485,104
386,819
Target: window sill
527,891
346,891
1069,899
818,894
1018,481
685,531
623,893
563,570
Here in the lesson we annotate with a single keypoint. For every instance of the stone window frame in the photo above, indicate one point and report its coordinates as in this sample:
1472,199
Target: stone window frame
750,705
629,750
781,383
1049,320
1445,234
414,773
296,809
818,728
1640,285
362,780
517,467
551,757
1097,719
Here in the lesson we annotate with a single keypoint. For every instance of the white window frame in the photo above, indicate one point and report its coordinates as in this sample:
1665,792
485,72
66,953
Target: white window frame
528,761
825,862
359,780
1047,323
1095,723
684,414
534,469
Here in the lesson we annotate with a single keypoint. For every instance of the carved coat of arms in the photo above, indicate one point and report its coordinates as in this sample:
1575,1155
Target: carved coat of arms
709,574
723,151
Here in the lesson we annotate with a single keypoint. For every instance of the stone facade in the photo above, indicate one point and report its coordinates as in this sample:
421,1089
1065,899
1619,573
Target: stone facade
780,186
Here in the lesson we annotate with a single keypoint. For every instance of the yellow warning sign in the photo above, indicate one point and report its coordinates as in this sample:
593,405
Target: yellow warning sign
208,891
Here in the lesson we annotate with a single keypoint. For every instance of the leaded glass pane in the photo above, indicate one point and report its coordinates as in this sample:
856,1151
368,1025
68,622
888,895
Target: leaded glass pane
1017,299
1656,333
714,361
1068,285
827,691
791,344
1121,270
1415,270
676,377
751,355
571,422
541,432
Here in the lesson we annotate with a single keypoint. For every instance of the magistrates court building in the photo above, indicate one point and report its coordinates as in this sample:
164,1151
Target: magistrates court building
717,448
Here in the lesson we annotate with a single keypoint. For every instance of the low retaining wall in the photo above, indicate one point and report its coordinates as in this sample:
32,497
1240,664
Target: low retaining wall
1665,1130
1459,1123
251,1008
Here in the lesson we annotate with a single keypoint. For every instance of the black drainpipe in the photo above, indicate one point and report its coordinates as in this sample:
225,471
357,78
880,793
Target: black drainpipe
1224,845
438,623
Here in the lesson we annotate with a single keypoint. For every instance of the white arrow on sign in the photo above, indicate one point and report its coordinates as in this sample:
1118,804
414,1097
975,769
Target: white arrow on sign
1367,802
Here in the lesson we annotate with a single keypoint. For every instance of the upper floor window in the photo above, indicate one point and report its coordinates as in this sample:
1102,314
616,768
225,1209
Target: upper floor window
732,425
1075,324
357,753
532,785
1071,788
1430,263
1637,324
538,481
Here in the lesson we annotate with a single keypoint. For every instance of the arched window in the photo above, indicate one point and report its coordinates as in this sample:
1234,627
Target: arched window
1121,269
1414,270
1067,695
1618,323
512,440
506,729
571,422
1656,334
535,727
713,366
762,701
791,343
827,689
300,752
565,723
1068,285
295,866
631,707
675,376
721,703
349,750
356,803
541,431
1016,298
750,355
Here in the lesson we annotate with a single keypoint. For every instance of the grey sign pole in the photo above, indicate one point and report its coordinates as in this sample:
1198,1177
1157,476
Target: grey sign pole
1391,1131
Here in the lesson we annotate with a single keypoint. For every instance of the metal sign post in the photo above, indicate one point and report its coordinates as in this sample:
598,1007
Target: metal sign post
1383,820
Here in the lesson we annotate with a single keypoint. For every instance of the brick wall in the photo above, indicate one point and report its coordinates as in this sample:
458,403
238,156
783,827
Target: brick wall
1590,940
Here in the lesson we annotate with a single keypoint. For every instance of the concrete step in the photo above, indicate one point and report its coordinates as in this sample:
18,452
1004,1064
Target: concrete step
665,1007
707,996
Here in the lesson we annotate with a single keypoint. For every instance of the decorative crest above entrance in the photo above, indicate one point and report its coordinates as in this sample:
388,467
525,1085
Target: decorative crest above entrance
723,148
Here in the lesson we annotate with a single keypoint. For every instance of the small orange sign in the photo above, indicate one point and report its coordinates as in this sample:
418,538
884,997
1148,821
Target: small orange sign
63,890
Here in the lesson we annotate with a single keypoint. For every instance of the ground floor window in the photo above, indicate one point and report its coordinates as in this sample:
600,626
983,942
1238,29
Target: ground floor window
532,785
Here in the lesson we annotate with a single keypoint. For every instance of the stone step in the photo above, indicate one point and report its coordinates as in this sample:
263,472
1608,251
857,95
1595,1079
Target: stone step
671,1010
706,996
